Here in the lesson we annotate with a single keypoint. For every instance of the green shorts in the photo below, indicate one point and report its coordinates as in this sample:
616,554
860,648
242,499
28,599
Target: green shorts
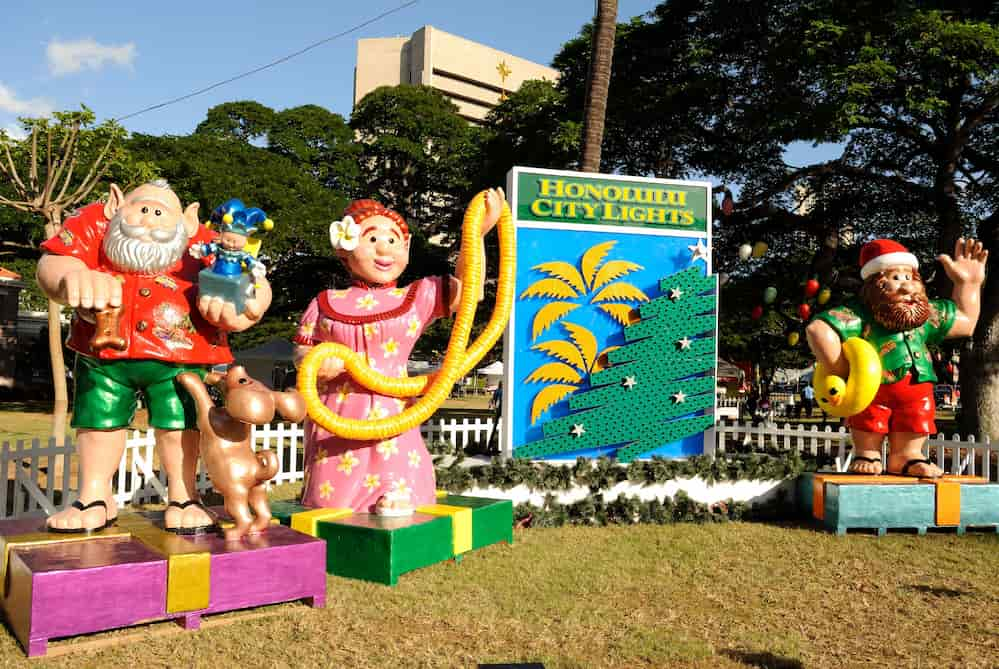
107,393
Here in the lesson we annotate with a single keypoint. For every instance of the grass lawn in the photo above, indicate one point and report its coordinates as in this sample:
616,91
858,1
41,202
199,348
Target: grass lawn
721,595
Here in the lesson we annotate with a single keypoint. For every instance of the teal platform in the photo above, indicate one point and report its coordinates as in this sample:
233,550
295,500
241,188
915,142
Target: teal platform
845,502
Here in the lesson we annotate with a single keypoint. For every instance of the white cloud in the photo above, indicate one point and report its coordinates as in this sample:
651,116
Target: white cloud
15,131
87,54
9,102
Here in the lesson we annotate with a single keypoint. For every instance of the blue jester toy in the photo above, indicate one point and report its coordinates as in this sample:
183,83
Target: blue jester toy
235,253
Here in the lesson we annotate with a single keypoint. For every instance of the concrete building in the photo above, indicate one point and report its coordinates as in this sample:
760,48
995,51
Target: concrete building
473,76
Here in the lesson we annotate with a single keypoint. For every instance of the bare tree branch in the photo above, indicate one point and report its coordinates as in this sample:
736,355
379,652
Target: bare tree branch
12,172
33,173
67,153
91,178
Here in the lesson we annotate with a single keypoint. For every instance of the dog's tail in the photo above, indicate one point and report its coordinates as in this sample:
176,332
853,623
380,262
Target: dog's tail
269,465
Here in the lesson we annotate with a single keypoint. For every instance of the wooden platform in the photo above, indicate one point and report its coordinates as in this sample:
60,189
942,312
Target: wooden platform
57,585
381,549
845,502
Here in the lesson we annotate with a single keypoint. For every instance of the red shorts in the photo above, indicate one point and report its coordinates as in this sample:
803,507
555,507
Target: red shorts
899,407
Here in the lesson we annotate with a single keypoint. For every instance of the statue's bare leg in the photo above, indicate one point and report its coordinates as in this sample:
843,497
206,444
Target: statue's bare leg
866,445
906,446
178,452
100,452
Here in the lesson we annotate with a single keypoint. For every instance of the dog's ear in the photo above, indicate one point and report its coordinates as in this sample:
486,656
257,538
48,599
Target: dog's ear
213,378
290,404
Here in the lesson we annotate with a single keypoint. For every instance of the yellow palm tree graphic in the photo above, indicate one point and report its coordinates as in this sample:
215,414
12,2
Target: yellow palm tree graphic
578,355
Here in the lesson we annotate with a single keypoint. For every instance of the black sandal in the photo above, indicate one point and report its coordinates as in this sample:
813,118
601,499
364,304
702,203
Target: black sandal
914,461
188,531
80,506
864,458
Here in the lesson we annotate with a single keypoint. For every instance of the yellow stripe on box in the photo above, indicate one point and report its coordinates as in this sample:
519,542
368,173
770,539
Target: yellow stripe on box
189,567
461,523
41,538
307,522
948,502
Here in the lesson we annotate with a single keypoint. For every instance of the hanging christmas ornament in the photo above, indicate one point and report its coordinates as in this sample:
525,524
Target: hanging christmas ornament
723,278
824,295
759,249
804,311
811,287
769,295
728,204
757,312
793,338
745,251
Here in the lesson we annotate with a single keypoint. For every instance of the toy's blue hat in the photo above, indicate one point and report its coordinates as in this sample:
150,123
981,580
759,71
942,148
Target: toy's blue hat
234,216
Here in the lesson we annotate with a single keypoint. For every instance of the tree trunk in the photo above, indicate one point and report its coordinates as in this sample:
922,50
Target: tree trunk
60,409
980,362
597,84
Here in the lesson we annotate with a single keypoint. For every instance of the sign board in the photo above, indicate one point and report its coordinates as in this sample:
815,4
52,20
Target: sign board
611,346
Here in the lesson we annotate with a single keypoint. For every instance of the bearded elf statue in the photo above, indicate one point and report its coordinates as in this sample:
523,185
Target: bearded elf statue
125,269
896,317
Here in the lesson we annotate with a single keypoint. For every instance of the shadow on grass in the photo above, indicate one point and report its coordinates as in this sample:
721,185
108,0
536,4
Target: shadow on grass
937,591
762,660
37,406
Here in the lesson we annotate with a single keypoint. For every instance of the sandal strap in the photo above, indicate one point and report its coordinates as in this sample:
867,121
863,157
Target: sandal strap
914,461
80,506
864,458
184,505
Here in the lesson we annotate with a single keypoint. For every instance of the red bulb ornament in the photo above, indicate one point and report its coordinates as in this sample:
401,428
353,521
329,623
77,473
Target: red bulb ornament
757,312
811,288
804,311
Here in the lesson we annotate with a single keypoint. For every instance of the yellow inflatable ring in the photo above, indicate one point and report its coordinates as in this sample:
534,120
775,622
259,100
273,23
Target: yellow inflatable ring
458,360
845,398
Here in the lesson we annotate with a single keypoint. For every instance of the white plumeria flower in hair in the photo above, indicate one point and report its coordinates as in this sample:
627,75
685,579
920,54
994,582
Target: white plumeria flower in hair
336,233
351,234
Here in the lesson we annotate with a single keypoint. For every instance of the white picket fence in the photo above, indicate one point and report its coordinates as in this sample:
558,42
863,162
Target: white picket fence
42,479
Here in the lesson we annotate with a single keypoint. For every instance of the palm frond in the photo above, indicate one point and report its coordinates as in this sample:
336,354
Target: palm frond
564,271
565,351
620,290
555,371
614,269
584,340
592,259
547,397
622,313
549,288
547,315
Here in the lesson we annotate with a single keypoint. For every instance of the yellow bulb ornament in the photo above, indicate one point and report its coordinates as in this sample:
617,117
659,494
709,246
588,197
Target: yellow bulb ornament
793,338
760,249
824,296
847,397
459,358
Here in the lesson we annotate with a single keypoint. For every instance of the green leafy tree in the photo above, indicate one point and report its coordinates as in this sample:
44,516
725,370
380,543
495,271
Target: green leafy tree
58,165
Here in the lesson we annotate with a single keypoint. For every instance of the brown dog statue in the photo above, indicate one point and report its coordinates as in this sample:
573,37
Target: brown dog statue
236,471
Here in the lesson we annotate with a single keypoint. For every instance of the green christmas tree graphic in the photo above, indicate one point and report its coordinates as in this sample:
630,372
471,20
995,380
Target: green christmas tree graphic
658,383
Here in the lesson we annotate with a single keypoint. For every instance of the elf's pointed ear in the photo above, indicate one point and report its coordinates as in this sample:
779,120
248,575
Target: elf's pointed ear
191,221
115,199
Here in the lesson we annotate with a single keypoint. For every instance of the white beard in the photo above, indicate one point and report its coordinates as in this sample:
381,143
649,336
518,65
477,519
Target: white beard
130,254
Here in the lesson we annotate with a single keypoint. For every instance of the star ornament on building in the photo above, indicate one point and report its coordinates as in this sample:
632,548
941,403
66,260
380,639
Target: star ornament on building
577,430
683,344
629,382
679,397
675,293
699,251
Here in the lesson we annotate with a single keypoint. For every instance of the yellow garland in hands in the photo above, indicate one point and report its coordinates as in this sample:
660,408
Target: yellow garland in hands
848,398
458,359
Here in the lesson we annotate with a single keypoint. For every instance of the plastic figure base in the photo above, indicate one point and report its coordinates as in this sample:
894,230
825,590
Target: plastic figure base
65,585
380,549
845,502
236,289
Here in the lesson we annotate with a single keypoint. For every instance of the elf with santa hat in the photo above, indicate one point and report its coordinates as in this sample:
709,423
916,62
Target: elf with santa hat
895,316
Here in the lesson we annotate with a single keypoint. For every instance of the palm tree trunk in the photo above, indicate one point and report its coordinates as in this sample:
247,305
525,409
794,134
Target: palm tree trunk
597,84
60,409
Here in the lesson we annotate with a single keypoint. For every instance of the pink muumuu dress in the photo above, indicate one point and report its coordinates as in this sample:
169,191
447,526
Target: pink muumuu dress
384,324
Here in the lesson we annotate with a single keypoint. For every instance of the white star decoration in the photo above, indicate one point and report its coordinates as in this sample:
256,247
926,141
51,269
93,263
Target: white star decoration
577,430
629,382
683,344
699,252
675,293
679,397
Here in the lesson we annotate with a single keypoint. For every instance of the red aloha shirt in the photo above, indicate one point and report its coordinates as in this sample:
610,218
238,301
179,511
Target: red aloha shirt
159,316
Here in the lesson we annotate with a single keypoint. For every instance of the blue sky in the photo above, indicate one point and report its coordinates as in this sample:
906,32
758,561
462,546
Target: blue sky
135,59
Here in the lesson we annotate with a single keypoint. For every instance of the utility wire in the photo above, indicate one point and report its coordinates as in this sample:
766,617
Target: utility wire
272,63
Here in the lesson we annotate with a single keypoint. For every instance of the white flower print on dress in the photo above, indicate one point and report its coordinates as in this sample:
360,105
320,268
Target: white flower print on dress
347,462
388,448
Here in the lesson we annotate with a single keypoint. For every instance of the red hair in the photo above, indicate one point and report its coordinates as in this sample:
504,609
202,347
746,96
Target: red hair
362,209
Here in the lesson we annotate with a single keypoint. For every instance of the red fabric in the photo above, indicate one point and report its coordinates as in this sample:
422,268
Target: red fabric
159,316
902,406
879,247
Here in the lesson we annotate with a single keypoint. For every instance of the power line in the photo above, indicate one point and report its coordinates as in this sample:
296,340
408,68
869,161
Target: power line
272,63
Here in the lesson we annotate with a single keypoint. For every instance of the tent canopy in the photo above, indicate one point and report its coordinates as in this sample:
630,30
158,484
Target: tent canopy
492,369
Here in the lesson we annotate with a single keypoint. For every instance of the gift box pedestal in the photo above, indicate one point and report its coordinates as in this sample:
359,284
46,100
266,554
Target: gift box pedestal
63,585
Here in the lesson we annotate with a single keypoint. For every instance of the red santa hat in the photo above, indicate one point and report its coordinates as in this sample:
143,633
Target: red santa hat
880,254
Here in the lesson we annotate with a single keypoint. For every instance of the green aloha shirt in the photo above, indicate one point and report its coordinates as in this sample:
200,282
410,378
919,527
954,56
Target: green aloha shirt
899,351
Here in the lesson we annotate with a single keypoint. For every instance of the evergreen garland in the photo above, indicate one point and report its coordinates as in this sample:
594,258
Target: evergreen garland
601,474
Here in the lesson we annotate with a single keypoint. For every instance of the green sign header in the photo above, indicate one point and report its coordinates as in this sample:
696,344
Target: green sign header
573,198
